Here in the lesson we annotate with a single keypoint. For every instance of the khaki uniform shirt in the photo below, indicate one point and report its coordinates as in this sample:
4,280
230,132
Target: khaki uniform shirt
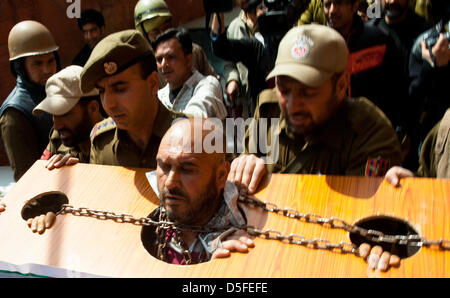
19,140
435,153
357,141
56,146
112,146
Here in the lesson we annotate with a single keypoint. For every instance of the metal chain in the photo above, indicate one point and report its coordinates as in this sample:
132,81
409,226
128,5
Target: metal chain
336,223
317,243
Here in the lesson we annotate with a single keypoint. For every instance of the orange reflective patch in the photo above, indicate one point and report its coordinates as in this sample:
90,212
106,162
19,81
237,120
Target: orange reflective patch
46,155
366,59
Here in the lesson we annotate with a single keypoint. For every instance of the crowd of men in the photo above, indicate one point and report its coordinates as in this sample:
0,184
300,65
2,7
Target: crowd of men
352,96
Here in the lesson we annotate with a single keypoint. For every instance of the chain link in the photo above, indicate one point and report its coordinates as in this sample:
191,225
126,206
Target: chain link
332,222
336,223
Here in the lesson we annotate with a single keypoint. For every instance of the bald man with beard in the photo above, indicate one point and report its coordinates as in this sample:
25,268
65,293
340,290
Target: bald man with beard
194,192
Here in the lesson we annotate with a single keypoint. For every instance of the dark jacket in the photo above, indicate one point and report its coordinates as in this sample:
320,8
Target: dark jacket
22,100
429,85
253,55
82,57
375,69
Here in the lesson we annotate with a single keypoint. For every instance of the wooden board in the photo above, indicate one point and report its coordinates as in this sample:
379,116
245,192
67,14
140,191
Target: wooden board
107,248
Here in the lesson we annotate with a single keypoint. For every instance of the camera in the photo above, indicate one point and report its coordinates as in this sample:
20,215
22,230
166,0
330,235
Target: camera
275,21
430,40
215,6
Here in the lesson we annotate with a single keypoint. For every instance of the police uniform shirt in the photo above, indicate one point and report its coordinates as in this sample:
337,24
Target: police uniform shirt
56,146
112,146
358,140
435,153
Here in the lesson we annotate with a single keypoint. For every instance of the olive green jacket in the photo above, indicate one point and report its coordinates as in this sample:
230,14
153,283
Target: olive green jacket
358,140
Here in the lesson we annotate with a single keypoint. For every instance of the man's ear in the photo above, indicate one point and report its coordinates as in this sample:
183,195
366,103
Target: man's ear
93,108
153,81
341,85
222,173
189,60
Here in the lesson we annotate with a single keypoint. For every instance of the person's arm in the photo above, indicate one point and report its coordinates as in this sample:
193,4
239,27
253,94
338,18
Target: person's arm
231,75
247,50
423,72
20,141
207,100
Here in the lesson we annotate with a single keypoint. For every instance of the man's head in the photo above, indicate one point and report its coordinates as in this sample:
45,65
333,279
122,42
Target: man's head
74,112
32,52
123,68
151,18
190,184
252,9
395,9
310,76
92,24
339,14
173,53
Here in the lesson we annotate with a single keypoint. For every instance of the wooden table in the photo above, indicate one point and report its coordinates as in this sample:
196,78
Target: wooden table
106,248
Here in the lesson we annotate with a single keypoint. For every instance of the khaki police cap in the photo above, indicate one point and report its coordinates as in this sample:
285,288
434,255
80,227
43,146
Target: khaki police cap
311,54
63,92
112,55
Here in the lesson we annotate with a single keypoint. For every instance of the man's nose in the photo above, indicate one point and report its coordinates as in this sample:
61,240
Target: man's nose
108,100
57,123
173,180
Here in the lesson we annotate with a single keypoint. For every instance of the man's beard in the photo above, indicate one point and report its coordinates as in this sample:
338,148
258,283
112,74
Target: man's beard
80,133
394,11
191,216
313,126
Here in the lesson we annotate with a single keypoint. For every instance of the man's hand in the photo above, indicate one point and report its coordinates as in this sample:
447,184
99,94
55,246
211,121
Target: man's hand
59,160
232,92
394,175
440,50
240,243
246,173
377,259
2,206
41,223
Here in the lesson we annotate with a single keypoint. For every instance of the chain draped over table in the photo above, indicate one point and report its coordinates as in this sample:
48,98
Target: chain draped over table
317,243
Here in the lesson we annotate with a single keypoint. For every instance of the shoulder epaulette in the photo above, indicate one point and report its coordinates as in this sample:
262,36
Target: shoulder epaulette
101,127
268,96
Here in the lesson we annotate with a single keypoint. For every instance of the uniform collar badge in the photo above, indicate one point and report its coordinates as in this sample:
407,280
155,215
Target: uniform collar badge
110,67
301,47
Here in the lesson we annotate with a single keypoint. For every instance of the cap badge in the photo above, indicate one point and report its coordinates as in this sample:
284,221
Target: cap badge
301,48
110,67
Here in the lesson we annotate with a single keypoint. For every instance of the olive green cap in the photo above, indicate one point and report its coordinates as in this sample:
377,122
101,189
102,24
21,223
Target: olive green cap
112,55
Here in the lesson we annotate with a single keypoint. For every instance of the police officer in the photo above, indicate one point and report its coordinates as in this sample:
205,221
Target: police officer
74,114
123,69
434,157
153,17
320,130
33,59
